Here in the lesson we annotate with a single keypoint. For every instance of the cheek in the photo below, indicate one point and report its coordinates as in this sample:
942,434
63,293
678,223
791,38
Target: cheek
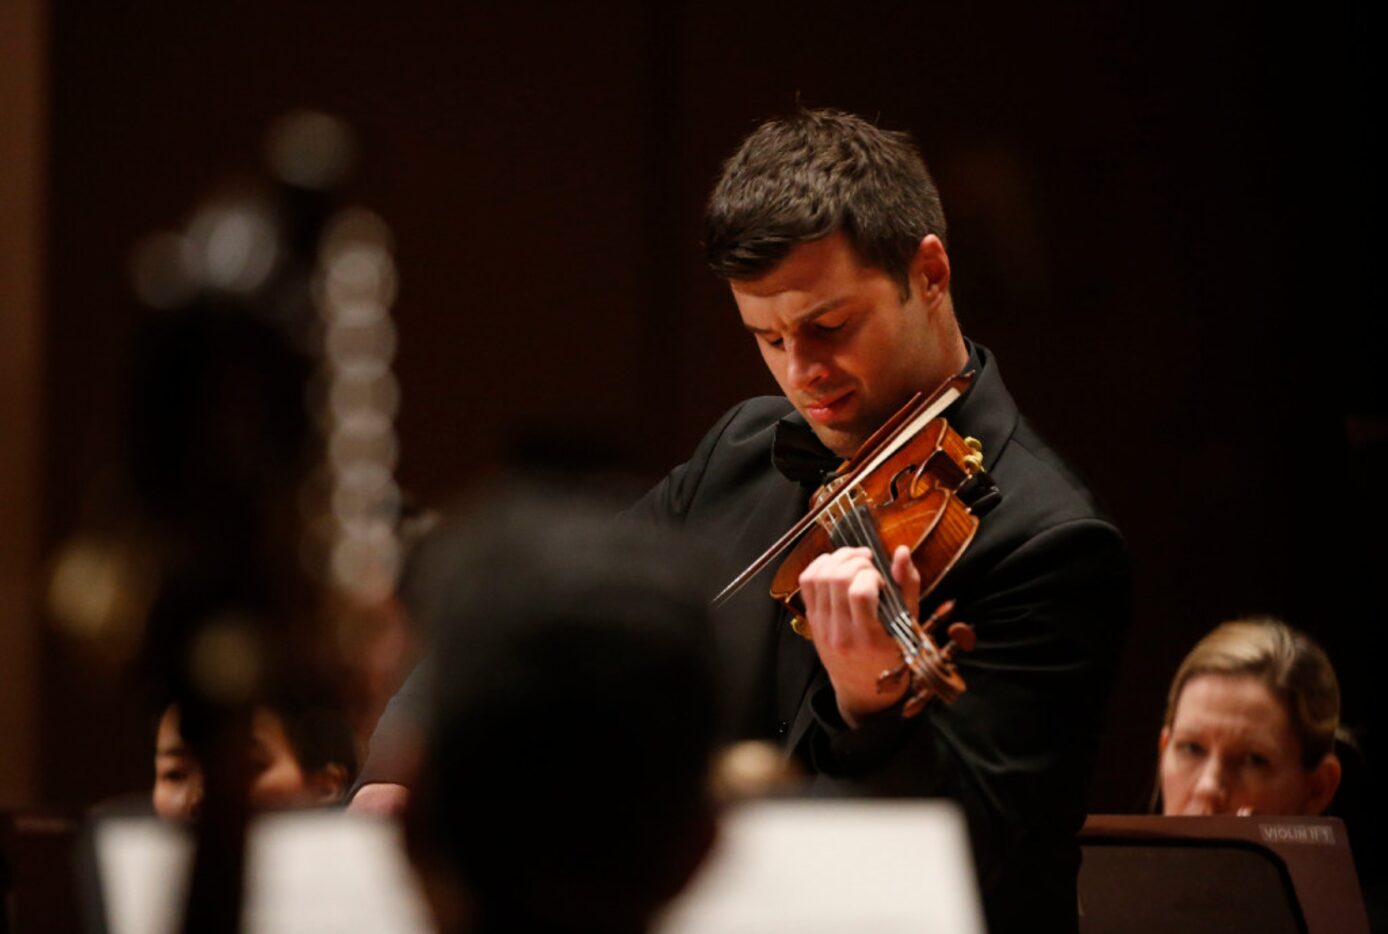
171,799
1282,793
776,363
1175,784
165,796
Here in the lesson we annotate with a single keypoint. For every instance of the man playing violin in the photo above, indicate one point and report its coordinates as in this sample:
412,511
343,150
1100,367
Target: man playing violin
830,233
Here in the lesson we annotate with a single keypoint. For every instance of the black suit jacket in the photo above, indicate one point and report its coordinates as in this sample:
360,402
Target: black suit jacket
1045,585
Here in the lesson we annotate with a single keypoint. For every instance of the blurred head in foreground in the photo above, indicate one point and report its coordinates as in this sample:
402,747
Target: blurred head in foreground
1250,725
565,783
299,756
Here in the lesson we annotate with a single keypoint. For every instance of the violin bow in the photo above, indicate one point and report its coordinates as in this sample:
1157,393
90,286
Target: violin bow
876,450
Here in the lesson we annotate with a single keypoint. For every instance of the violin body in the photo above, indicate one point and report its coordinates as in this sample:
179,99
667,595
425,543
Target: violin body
913,502
914,482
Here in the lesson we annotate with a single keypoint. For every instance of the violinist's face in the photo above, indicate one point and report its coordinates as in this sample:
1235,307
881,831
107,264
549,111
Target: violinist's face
843,345
1230,749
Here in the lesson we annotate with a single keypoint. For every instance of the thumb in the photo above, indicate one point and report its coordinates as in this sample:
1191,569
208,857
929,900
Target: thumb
907,578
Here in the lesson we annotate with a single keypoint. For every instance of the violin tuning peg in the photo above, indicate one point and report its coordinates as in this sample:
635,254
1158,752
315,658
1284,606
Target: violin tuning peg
889,678
963,636
915,704
941,614
973,463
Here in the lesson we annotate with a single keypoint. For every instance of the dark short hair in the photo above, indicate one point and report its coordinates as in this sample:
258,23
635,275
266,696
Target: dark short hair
805,176
570,739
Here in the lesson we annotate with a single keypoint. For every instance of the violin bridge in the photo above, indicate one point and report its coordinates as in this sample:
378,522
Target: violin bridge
833,487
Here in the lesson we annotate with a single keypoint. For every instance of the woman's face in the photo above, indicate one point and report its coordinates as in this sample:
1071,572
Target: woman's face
276,778
1230,749
177,772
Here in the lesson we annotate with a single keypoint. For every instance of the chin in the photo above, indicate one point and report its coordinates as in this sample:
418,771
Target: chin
842,441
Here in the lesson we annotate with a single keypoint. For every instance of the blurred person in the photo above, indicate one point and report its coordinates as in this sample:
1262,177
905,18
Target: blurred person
299,756
1250,727
564,780
387,645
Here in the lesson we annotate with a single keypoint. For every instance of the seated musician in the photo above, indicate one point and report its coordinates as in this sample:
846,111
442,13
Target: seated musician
1251,720
564,781
300,756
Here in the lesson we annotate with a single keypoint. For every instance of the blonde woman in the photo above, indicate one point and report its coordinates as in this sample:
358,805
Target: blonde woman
1250,725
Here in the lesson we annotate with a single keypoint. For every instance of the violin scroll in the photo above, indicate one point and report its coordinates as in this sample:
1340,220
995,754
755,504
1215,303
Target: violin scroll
933,672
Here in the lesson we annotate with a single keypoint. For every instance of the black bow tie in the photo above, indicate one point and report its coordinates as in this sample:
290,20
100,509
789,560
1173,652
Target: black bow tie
798,454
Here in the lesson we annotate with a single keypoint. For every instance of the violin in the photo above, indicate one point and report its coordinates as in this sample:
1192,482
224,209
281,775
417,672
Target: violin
914,482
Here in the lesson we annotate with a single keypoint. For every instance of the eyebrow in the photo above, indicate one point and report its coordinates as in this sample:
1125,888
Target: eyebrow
814,313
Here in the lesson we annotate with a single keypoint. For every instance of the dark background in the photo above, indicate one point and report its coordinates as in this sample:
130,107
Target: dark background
1164,222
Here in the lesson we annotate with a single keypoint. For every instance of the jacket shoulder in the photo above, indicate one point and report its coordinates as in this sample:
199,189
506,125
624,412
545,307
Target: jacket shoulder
734,454
1041,486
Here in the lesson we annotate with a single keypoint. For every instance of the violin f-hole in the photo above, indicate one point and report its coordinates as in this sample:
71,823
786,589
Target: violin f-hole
894,487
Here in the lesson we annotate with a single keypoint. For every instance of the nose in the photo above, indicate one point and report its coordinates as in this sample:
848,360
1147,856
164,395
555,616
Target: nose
805,365
1211,794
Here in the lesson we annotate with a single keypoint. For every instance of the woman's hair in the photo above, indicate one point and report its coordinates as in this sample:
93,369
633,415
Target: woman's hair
1292,666
319,734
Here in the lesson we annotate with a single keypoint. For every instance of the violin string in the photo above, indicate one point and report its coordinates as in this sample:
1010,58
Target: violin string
892,608
853,528
891,595
890,599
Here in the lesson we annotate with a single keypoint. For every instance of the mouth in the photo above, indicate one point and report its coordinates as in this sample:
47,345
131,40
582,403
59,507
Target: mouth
828,408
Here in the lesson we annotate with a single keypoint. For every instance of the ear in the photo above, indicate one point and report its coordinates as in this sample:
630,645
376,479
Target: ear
1162,740
930,269
327,785
1325,781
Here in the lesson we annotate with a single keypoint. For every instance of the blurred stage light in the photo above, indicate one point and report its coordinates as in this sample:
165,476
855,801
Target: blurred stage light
236,244
310,149
164,270
226,660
